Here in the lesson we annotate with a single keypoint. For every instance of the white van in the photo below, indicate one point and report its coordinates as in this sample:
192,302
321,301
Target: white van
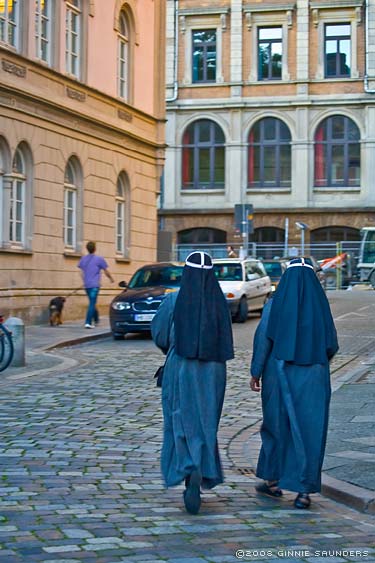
245,285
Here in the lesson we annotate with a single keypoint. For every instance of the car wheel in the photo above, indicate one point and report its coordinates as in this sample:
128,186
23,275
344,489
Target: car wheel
243,311
371,279
330,281
118,336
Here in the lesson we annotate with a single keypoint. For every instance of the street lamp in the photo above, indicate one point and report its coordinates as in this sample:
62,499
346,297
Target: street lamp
302,227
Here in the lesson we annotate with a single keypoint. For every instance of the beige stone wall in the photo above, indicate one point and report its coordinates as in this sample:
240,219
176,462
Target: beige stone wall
57,117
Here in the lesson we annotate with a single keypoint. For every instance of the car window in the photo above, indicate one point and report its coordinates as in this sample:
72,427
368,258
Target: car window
148,277
257,268
228,272
273,269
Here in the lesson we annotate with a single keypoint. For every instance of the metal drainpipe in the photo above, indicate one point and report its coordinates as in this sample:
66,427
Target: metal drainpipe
175,65
367,89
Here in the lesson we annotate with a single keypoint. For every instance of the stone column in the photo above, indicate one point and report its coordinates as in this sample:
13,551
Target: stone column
368,160
371,44
300,159
236,48
302,46
170,48
236,188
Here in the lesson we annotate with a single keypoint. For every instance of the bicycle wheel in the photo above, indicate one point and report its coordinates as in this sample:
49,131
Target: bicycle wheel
6,348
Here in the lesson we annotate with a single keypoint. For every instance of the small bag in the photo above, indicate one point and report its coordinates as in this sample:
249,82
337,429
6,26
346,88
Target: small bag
159,376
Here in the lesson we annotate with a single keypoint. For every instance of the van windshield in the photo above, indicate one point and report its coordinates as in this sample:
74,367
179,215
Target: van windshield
369,247
227,271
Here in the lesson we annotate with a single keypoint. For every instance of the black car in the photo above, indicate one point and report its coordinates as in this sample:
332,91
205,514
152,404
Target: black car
134,308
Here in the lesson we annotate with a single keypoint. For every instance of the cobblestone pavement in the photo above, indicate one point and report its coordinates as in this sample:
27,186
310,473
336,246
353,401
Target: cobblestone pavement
80,480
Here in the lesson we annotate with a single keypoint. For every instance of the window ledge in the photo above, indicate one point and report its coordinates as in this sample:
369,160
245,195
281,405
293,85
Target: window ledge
333,189
11,250
269,190
72,254
122,259
203,191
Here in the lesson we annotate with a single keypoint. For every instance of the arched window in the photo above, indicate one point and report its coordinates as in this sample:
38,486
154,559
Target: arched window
335,234
268,234
10,22
269,154
17,200
73,37
203,156
123,56
72,181
202,235
122,215
337,153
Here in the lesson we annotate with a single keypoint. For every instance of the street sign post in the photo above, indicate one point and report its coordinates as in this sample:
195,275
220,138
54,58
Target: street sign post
243,216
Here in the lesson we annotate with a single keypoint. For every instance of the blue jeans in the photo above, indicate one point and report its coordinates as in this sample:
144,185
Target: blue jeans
92,312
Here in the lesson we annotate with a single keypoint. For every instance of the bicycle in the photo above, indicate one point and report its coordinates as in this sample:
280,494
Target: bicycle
6,346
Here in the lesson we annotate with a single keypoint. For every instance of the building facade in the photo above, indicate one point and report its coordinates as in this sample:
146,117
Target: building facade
82,111
270,103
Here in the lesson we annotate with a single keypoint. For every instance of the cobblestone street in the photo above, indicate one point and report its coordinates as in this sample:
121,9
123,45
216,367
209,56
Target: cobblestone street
80,478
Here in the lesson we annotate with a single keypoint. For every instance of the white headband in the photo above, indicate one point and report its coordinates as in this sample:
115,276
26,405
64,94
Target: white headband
302,263
201,265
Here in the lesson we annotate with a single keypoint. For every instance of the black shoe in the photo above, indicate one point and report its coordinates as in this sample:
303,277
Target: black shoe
270,490
192,494
302,500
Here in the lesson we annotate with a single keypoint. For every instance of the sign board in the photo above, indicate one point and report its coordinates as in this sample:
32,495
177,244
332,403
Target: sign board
243,217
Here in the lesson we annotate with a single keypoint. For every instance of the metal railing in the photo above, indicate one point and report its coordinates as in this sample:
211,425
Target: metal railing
339,277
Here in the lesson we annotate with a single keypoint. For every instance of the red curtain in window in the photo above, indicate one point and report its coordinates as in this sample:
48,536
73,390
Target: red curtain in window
250,172
320,179
186,155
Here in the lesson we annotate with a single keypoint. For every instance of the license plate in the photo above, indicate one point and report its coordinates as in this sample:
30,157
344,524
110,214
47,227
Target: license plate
145,317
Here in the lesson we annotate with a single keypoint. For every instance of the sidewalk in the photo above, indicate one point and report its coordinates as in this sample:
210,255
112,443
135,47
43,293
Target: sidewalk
349,463
350,455
43,340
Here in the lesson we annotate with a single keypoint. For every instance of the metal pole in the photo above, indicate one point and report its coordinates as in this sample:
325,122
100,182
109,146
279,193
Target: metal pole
286,239
302,242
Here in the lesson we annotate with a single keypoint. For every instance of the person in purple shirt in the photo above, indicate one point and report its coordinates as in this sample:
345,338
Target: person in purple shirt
91,266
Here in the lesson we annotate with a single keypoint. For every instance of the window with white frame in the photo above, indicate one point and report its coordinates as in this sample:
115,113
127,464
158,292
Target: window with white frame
10,22
17,200
123,57
73,37
122,214
269,41
70,206
270,53
337,50
43,29
337,38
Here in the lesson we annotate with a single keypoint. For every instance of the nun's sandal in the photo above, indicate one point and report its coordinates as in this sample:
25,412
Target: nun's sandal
302,500
269,488
192,493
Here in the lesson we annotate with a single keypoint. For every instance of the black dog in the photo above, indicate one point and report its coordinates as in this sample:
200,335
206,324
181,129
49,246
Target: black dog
55,308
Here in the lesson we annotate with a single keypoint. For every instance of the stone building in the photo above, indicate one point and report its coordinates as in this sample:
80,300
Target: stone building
271,103
82,111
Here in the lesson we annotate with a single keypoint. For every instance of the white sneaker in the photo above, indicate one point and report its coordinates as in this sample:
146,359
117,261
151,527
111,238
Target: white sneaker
89,326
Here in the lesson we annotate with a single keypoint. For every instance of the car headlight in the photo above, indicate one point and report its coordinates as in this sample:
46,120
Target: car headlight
121,305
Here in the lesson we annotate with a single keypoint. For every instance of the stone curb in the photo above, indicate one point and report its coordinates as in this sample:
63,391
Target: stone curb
78,340
356,497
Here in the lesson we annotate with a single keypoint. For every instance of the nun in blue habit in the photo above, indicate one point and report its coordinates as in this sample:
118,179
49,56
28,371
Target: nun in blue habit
293,344
194,329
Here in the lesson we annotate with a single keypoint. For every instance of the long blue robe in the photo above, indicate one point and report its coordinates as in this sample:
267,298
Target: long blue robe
192,400
295,401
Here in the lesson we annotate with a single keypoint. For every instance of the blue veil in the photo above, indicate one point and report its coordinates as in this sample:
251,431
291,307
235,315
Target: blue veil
300,323
203,327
